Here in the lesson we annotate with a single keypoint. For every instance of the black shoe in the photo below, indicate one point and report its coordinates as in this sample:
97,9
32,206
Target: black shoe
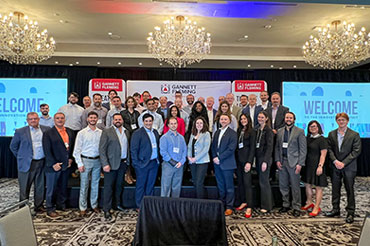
61,207
120,208
283,210
333,213
296,213
107,216
350,218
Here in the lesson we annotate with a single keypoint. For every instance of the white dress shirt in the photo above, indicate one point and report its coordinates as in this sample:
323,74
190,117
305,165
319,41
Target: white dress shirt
36,136
251,113
157,122
222,132
87,144
122,141
73,113
210,119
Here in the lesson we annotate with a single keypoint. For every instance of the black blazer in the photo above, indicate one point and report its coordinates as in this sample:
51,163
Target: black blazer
246,154
351,149
55,149
130,119
280,116
264,152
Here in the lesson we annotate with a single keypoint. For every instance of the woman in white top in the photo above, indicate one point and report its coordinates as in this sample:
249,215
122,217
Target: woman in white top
224,108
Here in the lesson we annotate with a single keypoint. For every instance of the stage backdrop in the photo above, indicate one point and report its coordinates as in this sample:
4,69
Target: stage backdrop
247,87
168,88
103,86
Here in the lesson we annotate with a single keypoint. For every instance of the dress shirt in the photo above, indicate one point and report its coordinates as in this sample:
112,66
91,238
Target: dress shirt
73,113
164,110
153,142
188,108
274,112
102,114
157,122
46,121
340,138
185,116
123,141
87,144
265,105
36,136
251,113
109,119
210,119
222,132
173,146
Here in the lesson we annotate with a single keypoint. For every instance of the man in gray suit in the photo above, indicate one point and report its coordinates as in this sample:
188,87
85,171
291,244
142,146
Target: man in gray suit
114,157
290,156
276,112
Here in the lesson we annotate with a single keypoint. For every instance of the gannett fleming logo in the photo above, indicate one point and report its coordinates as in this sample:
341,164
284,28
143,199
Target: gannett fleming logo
165,89
97,85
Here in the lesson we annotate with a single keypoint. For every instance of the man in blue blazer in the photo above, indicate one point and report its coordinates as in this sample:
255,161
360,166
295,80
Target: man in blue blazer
145,158
57,143
26,145
252,109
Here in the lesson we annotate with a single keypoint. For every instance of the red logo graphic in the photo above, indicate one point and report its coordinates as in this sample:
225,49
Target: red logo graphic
249,85
107,84
165,89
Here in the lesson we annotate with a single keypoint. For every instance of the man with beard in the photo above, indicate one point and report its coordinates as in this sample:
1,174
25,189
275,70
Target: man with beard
72,113
114,158
157,118
96,107
290,156
276,112
183,114
46,119
252,109
190,100
116,100
243,101
264,96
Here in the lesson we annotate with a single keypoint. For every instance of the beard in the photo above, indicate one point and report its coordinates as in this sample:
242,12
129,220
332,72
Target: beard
117,124
44,113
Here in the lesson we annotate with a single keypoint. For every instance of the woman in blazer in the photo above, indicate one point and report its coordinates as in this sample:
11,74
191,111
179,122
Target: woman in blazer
198,154
264,147
244,158
223,147
224,108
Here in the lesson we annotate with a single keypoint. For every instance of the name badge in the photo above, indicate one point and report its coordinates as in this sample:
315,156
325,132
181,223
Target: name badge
257,145
176,150
241,145
154,145
100,121
133,126
285,145
67,145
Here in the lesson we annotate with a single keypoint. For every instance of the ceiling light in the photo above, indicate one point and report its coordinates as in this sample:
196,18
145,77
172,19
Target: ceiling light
56,62
98,63
271,66
267,26
71,64
110,34
119,63
77,62
245,36
160,64
249,65
140,63
294,66
280,68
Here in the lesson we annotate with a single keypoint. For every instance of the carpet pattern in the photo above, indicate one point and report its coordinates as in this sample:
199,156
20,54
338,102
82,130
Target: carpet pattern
71,229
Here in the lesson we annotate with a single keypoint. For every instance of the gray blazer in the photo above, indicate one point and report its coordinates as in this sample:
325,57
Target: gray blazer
297,146
350,149
110,148
280,116
201,147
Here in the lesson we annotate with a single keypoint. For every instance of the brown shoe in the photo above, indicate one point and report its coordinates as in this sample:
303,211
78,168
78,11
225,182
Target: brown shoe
83,213
53,215
96,210
40,210
228,212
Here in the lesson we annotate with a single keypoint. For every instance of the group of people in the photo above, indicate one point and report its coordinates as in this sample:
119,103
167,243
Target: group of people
145,134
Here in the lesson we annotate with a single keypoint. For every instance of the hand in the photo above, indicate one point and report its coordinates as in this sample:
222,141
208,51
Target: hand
278,164
298,169
106,168
70,162
339,165
216,161
57,166
274,131
191,159
178,165
264,166
319,171
247,167
81,169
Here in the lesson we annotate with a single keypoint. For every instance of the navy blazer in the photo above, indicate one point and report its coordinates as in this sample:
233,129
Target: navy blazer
257,110
21,146
141,147
226,151
55,150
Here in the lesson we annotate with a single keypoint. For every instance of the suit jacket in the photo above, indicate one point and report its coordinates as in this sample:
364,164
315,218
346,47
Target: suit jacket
246,154
226,151
264,152
280,116
257,110
297,146
110,148
269,104
21,146
55,149
107,105
236,111
201,147
141,147
159,111
350,149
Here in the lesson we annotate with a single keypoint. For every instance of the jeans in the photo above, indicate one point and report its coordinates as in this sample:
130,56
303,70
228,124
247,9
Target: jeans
171,180
92,168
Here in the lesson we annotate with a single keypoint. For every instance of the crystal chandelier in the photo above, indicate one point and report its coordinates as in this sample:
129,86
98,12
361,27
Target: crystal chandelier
337,48
180,42
21,42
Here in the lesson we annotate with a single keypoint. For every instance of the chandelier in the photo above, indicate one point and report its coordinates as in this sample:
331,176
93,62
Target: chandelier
21,42
180,42
337,48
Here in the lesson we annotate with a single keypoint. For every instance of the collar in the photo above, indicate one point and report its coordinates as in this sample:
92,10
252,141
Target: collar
34,129
173,134
148,130
45,117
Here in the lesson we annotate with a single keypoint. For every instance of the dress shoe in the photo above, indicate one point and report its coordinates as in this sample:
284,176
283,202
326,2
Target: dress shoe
107,216
333,213
83,213
296,213
307,207
312,214
53,215
61,207
40,209
96,210
241,207
120,208
283,210
264,211
228,212
350,218
248,214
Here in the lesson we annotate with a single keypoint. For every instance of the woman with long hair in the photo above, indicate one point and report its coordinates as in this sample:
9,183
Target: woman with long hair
224,108
313,173
130,115
244,159
197,110
174,111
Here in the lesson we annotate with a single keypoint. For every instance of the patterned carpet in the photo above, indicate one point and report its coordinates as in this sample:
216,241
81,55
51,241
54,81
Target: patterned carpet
71,229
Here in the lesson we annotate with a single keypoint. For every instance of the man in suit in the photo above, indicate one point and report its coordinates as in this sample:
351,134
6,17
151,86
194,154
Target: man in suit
235,110
210,101
265,103
276,112
99,109
114,157
344,148
110,105
163,107
26,145
290,156
57,143
145,158
252,109
157,118
243,101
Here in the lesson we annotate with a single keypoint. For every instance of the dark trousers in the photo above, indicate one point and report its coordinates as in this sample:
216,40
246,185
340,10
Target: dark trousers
35,175
267,201
145,180
56,189
225,186
198,173
113,182
245,191
349,181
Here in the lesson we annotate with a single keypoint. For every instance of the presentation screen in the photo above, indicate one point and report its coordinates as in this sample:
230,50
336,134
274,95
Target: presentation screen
322,101
21,96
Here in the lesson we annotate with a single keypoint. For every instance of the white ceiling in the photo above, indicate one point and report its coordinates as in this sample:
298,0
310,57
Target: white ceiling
81,28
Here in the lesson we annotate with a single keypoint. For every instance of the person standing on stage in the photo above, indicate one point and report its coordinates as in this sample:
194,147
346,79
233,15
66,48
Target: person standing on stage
46,119
244,157
252,109
313,173
211,112
110,105
243,101
130,115
26,146
183,114
157,118
116,100
265,103
173,150
235,110
145,158
137,98
86,154
276,112
57,143
198,154
344,148
86,101
224,108
190,101
114,158
198,110
174,112
290,157
96,107
223,147
72,113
